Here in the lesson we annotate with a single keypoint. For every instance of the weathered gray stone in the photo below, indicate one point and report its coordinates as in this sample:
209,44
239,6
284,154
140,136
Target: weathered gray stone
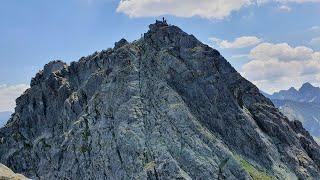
163,107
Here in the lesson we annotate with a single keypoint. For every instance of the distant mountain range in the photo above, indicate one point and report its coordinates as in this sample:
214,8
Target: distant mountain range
4,117
302,104
307,93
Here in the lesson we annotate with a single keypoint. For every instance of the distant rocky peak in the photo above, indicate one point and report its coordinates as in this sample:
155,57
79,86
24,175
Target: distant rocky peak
292,89
306,86
307,93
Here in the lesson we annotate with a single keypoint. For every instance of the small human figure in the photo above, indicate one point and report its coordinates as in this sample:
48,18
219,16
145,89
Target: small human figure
163,20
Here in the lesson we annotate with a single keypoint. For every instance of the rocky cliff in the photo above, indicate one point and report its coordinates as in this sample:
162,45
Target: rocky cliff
163,107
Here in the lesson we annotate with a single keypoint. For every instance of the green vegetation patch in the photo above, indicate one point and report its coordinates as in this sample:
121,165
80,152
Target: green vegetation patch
255,173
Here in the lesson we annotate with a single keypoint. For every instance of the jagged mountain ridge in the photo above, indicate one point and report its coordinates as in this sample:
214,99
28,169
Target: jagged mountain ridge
307,93
163,107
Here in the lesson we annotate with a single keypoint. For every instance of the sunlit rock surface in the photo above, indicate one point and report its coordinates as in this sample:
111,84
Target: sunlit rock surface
8,174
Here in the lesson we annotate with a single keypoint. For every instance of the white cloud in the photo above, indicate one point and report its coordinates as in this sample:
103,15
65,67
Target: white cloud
315,29
209,9
315,41
284,8
240,42
8,95
280,66
281,52
239,56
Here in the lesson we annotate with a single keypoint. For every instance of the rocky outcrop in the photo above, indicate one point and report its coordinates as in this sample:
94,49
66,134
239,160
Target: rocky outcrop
163,107
8,174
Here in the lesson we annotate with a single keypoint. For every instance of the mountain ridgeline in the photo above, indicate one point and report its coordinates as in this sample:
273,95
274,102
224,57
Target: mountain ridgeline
307,93
165,106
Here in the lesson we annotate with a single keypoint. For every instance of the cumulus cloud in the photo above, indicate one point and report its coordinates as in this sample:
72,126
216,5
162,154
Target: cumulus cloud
281,52
8,95
240,42
217,9
279,66
209,9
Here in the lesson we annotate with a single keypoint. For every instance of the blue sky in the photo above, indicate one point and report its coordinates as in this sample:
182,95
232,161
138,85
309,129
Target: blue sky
273,43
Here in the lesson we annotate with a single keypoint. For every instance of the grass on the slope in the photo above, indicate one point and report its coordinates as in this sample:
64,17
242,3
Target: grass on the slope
255,173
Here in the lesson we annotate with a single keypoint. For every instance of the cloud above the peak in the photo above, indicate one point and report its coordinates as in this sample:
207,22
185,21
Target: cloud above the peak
208,9
240,42
8,95
281,52
274,66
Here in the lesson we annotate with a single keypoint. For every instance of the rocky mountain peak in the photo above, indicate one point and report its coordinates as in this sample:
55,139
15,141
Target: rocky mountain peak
54,66
164,35
292,89
163,107
158,25
120,43
307,87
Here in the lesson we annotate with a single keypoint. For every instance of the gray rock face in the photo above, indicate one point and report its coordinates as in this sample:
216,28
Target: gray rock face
163,107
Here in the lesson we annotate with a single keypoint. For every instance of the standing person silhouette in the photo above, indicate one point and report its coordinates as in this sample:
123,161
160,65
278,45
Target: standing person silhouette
164,20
